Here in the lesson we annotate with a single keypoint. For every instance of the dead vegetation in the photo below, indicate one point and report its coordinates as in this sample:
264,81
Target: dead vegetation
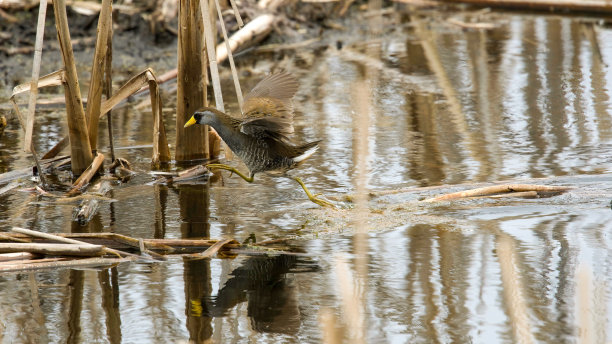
24,249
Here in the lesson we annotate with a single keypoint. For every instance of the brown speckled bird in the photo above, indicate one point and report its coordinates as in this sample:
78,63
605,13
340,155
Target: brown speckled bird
259,138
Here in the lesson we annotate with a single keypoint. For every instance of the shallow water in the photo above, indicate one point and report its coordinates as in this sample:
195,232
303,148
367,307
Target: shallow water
406,102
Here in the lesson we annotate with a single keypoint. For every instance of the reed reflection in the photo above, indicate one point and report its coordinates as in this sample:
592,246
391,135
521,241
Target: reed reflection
109,285
194,202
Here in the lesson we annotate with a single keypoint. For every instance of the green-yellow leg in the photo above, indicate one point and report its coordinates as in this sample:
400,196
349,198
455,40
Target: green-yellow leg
231,169
312,197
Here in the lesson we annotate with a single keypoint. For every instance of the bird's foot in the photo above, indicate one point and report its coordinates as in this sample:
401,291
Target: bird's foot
314,198
320,201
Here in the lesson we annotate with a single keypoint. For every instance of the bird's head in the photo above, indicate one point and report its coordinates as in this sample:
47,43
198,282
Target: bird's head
202,116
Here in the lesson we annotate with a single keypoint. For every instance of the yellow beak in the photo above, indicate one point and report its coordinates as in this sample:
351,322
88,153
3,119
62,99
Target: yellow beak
191,121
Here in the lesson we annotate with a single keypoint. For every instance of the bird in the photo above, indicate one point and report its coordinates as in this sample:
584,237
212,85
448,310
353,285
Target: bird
260,137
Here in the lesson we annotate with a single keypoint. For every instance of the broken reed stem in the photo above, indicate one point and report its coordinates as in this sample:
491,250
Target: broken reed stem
87,175
41,173
38,45
55,150
53,249
81,155
490,190
67,240
5,257
146,77
161,152
62,263
94,97
230,57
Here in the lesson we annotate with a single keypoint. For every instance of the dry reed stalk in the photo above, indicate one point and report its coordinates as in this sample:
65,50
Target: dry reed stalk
86,175
209,38
5,257
63,263
108,88
231,58
52,79
136,243
191,143
81,154
94,96
67,240
522,194
236,14
161,150
495,189
34,260
53,249
40,33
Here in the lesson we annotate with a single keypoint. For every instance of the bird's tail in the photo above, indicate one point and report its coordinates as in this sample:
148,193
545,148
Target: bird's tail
305,151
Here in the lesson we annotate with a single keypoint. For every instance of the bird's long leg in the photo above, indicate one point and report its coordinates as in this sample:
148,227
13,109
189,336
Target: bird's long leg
231,169
312,197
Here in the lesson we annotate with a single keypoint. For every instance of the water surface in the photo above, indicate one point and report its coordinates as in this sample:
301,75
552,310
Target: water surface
408,101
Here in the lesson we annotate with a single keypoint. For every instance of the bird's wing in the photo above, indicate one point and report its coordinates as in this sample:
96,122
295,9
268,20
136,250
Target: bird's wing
267,108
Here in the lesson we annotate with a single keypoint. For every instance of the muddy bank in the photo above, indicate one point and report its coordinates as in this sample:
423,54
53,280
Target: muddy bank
142,38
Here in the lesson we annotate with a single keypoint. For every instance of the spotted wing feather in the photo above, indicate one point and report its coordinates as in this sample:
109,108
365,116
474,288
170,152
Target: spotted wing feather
267,109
